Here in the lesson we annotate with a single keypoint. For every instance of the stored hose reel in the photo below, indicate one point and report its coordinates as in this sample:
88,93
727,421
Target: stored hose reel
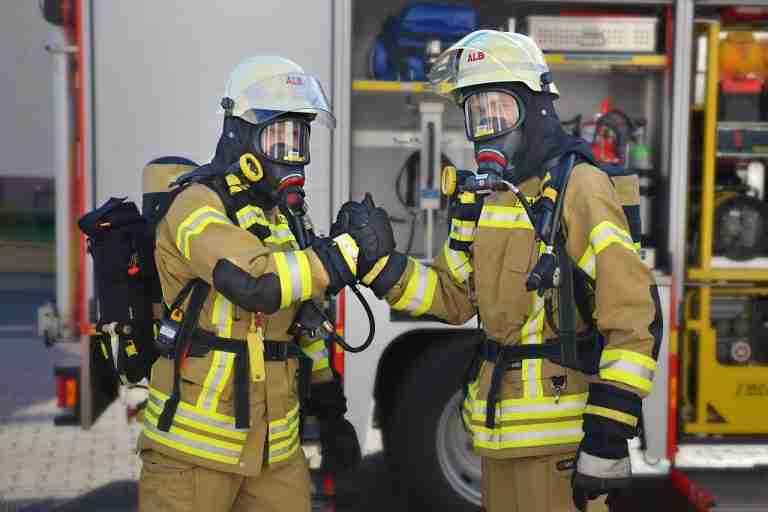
740,226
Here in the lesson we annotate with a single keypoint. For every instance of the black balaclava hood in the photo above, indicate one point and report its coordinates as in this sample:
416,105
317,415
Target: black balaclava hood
237,139
539,140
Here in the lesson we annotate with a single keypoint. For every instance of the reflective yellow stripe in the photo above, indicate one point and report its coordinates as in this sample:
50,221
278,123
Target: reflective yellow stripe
375,271
192,443
222,362
419,292
281,234
218,375
524,436
532,334
521,409
628,367
638,246
467,198
185,418
619,416
283,436
286,450
349,250
295,276
286,281
603,235
194,224
458,263
587,262
505,217
318,352
250,215
462,230
277,435
221,316
222,418
279,425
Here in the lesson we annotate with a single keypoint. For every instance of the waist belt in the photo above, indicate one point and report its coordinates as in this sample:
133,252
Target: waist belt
202,342
589,348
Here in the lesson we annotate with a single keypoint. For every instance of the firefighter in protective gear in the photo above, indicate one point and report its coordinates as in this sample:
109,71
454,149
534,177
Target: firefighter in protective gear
552,437
224,433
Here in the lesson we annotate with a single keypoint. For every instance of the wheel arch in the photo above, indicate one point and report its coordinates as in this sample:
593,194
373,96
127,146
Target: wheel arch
406,348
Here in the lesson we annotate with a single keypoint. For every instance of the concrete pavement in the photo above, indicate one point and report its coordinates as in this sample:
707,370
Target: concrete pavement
43,466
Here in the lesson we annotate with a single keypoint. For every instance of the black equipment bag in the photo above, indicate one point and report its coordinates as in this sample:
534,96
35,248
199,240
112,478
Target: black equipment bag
121,243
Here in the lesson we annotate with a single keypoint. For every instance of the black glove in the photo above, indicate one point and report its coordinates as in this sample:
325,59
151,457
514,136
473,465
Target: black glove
340,447
339,272
602,467
602,464
371,229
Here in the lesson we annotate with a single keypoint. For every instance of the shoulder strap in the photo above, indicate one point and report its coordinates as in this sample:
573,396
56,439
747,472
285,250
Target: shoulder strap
199,292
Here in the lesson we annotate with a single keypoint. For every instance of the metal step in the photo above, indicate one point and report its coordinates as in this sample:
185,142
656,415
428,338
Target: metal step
722,456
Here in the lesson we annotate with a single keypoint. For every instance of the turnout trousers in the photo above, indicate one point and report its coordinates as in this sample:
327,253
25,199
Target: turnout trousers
170,485
531,484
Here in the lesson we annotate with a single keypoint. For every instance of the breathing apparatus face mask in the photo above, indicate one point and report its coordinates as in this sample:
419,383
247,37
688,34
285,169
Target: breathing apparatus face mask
493,120
283,147
271,155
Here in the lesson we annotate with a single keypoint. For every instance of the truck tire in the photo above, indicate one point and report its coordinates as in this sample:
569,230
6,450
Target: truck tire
428,450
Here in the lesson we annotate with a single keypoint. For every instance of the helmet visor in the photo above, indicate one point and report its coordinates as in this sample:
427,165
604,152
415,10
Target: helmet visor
290,92
491,113
286,141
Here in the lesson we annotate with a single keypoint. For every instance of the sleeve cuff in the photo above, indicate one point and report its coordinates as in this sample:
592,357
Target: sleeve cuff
388,277
612,411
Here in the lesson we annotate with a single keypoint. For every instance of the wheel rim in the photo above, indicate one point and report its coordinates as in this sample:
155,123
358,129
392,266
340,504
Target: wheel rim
458,462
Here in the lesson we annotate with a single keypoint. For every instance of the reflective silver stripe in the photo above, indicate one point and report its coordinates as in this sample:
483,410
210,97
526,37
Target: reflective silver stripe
210,214
460,269
285,449
319,355
530,435
611,230
462,231
185,413
281,234
588,265
495,216
421,289
248,219
212,389
576,406
293,264
291,421
628,367
197,445
222,316
200,216
598,467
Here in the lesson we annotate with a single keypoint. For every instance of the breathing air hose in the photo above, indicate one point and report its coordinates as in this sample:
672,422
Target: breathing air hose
310,316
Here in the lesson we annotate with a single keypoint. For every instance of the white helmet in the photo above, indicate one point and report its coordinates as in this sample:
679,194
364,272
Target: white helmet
262,88
491,57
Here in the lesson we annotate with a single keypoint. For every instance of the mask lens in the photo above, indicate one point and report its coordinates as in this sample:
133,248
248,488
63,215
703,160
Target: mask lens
286,141
487,114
